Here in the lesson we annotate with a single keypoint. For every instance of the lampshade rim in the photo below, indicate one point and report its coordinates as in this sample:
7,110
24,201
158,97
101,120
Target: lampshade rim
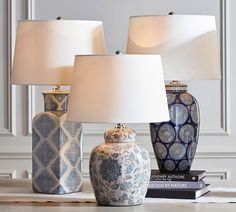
116,122
115,55
58,21
195,79
41,84
140,16
60,91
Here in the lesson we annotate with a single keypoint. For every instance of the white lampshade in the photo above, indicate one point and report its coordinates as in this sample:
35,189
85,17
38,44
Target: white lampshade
118,89
44,51
186,43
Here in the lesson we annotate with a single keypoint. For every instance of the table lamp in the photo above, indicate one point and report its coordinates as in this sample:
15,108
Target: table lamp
188,47
118,89
44,55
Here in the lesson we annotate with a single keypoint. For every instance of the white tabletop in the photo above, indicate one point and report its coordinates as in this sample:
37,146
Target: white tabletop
221,198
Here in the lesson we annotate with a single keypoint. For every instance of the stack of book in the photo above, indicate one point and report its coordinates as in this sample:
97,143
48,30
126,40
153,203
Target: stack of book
178,185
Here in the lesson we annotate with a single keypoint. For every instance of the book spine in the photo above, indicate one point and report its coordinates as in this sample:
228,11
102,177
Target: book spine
177,194
176,185
173,177
155,193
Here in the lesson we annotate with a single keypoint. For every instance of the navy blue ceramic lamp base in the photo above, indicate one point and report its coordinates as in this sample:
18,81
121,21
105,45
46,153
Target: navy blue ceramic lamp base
175,142
56,148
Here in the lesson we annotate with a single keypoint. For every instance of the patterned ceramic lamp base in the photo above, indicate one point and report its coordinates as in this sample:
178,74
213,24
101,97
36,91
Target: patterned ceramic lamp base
120,169
56,149
175,142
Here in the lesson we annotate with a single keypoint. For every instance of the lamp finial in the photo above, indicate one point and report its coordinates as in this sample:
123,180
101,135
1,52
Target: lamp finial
60,18
118,52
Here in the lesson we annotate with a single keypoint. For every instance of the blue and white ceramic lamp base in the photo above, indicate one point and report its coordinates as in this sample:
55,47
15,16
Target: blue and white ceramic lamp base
120,169
175,142
56,148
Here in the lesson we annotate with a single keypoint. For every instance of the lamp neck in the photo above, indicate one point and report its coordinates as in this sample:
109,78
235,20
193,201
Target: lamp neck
120,126
119,134
176,86
57,88
56,100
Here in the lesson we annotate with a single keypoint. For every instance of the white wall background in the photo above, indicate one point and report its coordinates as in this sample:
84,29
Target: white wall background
217,144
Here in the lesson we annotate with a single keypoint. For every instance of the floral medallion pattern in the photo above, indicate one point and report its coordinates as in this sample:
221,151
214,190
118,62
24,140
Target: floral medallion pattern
175,142
110,169
120,173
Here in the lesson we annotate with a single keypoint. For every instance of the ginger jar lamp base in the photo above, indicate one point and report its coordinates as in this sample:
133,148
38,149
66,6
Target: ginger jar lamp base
119,169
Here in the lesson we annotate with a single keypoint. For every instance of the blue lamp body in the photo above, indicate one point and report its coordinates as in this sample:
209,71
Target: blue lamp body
175,142
56,148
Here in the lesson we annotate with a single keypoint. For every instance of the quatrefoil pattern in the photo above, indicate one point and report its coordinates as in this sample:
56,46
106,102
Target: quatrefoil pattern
56,152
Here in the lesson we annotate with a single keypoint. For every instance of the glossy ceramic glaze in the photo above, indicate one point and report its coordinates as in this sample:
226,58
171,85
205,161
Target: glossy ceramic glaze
56,148
175,142
120,169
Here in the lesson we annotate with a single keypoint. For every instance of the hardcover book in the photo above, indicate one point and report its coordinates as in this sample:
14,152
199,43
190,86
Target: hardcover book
193,175
178,193
176,185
